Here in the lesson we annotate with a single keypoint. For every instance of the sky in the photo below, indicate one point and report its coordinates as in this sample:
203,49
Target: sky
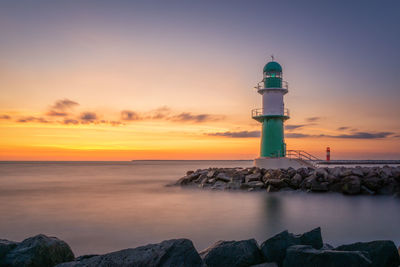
125,80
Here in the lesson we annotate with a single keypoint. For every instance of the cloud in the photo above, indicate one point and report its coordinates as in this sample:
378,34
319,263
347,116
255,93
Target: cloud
88,117
290,127
189,117
70,121
60,107
241,134
365,135
32,119
343,128
159,113
297,135
5,117
313,119
129,115
357,135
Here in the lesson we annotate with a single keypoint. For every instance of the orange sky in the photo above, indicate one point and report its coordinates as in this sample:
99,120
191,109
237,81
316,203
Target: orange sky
123,83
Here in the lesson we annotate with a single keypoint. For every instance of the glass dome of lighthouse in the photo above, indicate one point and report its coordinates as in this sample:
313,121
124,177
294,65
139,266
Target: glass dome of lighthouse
272,73
272,66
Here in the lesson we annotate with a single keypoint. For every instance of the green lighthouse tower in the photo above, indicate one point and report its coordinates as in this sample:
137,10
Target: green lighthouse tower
273,113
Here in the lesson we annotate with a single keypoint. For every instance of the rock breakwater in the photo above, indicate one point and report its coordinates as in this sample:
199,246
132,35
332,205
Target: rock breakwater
284,249
350,181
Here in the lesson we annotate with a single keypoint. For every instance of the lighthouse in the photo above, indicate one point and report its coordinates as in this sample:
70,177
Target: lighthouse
272,116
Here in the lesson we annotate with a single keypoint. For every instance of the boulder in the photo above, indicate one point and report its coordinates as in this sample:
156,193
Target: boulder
321,174
211,174
266,264
5,247
307,256
256,184
382,253
232,253
40,251
274,248
373,183
219,185
296,180
253,177
175,252
319,187
351,185
223,177
277,183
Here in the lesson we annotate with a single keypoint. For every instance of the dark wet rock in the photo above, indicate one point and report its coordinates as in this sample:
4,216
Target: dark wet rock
266,264
350,181
5,247
219,185
232,253
211,174
366,191
312,238
175,252
307,256
256,184
85,257
319,187
277,183
372,182
274,248
253,177
223,177
271,188
357,172
296,180
351,185
321,174
40,251
382,253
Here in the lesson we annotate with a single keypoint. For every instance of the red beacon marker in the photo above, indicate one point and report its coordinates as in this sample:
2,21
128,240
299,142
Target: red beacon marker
328,153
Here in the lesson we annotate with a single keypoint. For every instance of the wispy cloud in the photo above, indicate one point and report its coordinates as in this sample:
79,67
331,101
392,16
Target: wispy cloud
290,127
357,135
88,117
61,107
129,115
365,135
32,119
240,134
196,118
343,128
5,117
313,119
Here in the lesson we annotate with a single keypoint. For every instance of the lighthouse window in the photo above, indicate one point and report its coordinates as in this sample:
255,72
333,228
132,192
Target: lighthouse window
274,75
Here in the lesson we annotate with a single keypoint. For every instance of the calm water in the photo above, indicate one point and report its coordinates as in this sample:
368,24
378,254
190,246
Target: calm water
100,207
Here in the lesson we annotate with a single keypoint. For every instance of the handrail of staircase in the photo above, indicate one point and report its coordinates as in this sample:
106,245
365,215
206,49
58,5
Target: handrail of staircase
301,154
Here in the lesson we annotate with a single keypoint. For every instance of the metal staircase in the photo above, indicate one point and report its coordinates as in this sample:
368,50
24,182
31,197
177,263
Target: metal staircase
303,157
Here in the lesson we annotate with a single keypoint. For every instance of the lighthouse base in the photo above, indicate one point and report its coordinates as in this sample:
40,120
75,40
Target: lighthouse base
281,163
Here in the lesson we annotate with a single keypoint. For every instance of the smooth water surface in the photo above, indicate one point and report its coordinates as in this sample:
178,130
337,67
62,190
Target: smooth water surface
99,207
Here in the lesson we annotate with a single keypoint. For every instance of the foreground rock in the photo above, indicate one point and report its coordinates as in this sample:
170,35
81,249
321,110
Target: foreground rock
232,254
284,249
382,253
40,251
307,256
349,181
274,248
175,252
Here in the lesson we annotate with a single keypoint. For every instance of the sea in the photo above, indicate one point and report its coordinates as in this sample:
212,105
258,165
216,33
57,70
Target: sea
100,207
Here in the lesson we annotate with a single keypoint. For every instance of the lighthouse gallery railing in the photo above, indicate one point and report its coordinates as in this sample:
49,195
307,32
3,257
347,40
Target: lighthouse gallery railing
260,85
258,112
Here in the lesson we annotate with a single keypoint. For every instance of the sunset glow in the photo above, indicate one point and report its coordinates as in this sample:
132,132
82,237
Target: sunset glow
147,81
